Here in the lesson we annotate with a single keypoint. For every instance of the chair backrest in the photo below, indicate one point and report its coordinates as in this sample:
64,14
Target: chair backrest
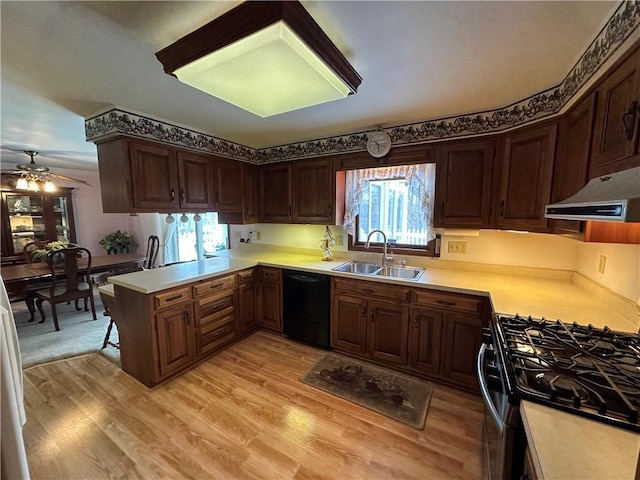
31,247
74,262
153,245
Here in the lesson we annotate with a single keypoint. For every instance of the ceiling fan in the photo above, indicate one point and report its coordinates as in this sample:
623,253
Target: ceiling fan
31,175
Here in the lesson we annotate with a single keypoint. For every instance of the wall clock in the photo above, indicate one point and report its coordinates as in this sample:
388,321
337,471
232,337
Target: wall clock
378,144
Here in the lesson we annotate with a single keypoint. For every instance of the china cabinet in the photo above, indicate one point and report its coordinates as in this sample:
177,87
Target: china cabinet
35,216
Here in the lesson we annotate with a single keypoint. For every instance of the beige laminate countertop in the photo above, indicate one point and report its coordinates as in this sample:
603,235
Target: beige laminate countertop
568,447
538,297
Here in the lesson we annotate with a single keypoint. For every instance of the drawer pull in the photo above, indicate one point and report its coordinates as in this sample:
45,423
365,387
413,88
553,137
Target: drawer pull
446,302
216,305
368,290
174,297
217,285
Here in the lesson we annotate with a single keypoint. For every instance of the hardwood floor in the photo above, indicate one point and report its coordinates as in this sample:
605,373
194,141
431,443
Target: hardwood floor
241,414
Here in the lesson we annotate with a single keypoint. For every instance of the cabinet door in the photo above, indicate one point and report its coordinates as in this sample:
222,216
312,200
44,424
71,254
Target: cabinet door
348,323
387,332
313,196
424,340
463,185
462,339
176,338
196,184
228,187
270,300
250,193
572,160
247,306
275,192
526,178
615,139
154,175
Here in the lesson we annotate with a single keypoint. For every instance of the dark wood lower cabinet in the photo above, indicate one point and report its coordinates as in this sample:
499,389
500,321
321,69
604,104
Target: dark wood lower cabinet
462,336
435,334
348,329
247,301
424,337
176,338
270,298
387,332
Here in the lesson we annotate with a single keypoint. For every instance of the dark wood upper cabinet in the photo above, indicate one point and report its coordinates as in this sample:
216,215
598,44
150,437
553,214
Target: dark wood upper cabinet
228,185
195,181
275,192
154,174
250,193
572,158
615,136
527,167
464,172
313,191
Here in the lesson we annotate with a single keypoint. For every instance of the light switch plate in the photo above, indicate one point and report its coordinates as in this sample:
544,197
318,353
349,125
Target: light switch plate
457,247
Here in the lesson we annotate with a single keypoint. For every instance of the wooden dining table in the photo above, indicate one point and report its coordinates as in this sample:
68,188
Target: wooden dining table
17,277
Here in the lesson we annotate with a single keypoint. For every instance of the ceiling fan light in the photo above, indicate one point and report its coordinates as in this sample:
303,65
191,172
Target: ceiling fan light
49,186
33,186
22,184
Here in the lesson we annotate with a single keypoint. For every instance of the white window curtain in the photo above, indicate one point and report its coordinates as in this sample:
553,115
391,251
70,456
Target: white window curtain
155,224
421,179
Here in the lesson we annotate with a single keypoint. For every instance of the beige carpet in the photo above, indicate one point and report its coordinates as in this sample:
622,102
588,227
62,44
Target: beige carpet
79,334
396,395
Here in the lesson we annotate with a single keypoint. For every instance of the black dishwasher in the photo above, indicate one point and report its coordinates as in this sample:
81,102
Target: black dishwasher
306,300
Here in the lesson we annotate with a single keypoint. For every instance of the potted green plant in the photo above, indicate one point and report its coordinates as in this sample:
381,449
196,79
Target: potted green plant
40,254
118,242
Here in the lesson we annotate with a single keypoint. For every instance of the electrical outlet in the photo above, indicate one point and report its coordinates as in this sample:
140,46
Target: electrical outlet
258,236
601,263
339,240
457,247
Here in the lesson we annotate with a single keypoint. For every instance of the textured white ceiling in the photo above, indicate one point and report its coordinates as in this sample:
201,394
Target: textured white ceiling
63,61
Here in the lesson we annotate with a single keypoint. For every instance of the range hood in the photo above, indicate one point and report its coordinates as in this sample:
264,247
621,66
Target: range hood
610,198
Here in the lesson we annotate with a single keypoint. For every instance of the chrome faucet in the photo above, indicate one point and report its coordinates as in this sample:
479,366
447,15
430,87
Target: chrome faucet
385,257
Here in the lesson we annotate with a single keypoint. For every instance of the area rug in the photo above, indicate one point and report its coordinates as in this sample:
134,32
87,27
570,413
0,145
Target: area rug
393,394
79,334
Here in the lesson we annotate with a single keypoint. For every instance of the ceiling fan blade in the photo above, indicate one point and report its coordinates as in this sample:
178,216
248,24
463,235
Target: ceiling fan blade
71,179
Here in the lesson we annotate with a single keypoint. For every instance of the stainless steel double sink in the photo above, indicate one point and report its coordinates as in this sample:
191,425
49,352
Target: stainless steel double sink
372,269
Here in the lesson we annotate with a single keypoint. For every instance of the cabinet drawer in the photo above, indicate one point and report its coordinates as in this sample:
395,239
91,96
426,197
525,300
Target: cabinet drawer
173,297
217,284
271,274
213,307
373,289
448,301
208,339
246,276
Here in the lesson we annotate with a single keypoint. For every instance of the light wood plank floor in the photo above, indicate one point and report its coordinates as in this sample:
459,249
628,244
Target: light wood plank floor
241,414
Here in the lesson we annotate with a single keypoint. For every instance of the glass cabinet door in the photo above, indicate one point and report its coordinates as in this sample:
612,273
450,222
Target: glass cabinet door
61,218
26,219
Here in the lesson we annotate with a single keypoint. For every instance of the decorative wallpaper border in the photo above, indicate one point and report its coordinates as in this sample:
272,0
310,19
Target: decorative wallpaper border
622,23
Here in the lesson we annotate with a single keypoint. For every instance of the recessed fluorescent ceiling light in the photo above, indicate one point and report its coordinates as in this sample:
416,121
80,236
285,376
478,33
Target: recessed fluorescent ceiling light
264,57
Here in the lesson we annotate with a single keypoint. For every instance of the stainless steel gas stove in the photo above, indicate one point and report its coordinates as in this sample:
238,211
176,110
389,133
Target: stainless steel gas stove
580,369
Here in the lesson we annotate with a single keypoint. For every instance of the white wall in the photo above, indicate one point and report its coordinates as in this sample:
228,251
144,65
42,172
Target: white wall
91,224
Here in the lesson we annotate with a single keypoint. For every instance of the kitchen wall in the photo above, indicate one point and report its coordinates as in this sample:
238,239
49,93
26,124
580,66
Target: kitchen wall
91,224
494,247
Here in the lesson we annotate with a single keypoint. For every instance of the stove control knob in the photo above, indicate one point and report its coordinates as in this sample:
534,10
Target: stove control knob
494,383
489,353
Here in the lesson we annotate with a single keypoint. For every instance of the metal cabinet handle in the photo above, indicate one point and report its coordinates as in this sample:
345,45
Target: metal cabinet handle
628,125
174,297
182,195
502,208
415,322
173,195
188,316
217,285
289,210
368,290
373,314
364,313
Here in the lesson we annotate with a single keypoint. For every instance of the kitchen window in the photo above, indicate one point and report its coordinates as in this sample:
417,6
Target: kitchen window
396,200
192,240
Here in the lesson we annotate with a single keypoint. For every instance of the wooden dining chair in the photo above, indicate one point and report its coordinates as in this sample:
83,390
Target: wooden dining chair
31,289
75,285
